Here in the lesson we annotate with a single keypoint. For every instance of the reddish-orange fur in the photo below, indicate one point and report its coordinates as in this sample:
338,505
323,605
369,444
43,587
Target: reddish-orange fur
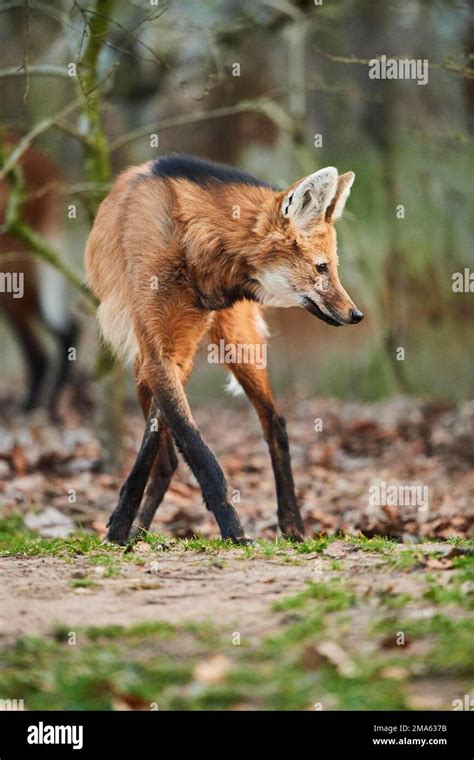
42,212
170,259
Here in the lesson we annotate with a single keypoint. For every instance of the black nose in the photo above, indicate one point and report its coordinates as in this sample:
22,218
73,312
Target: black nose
356,316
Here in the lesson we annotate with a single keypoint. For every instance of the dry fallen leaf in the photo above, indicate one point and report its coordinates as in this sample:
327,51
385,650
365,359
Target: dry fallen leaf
99,527
391,640
426,701
18,459
153,568
441,563
335,655
395,672
213,670
137,584
336,550
310,658
124,701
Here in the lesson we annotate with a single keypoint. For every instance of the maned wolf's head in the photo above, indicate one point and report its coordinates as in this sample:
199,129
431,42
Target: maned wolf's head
300,265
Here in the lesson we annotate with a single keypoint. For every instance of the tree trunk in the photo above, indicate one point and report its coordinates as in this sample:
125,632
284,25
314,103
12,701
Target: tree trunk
109,414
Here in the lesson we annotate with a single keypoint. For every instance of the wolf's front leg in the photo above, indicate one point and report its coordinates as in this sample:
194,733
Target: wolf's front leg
289,518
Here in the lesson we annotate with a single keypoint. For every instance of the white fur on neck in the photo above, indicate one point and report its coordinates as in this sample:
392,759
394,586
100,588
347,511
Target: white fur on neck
276,289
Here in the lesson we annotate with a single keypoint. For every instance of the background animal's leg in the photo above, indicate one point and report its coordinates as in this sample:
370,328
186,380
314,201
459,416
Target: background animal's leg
243,325
132,490
35,358
66,339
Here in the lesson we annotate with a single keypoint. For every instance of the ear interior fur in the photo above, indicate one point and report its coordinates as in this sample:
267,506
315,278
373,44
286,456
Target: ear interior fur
318,196
307,202
336,207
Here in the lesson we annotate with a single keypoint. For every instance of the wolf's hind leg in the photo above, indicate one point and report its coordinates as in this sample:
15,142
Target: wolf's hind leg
162,471
131,493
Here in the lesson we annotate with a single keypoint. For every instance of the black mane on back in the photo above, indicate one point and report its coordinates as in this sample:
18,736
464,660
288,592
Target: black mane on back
181,166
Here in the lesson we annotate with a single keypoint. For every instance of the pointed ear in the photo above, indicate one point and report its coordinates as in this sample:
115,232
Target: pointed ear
306,202
336,207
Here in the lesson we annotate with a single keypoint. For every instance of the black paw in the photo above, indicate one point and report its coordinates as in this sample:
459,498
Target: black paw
293,533
118,533
242,540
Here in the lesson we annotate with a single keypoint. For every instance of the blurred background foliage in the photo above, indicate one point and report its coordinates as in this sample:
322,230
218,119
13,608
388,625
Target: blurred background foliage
304,69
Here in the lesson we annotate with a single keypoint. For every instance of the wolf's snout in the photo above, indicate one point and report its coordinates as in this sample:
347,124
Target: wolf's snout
355,316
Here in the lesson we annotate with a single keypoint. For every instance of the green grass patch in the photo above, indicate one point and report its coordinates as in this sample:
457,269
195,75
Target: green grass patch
396,601
453,643
83,583
331,595
377,544
16,539
454,593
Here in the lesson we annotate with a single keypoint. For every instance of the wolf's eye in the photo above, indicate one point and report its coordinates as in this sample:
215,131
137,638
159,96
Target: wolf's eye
322,268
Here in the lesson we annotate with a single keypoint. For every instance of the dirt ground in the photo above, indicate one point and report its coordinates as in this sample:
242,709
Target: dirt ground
175,586
336,603
183,586
369,595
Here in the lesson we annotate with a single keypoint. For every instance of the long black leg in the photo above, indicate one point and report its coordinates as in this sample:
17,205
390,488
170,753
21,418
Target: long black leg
162,471
35,358
289,518
132,490
243,324
171,399
255,384
66,340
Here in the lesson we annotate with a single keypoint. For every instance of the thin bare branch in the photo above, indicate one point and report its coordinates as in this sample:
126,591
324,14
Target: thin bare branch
72,131
448,65
41,70
130,33
254,104
43,126
26,50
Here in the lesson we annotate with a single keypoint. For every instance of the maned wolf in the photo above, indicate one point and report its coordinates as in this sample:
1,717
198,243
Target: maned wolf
181,246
